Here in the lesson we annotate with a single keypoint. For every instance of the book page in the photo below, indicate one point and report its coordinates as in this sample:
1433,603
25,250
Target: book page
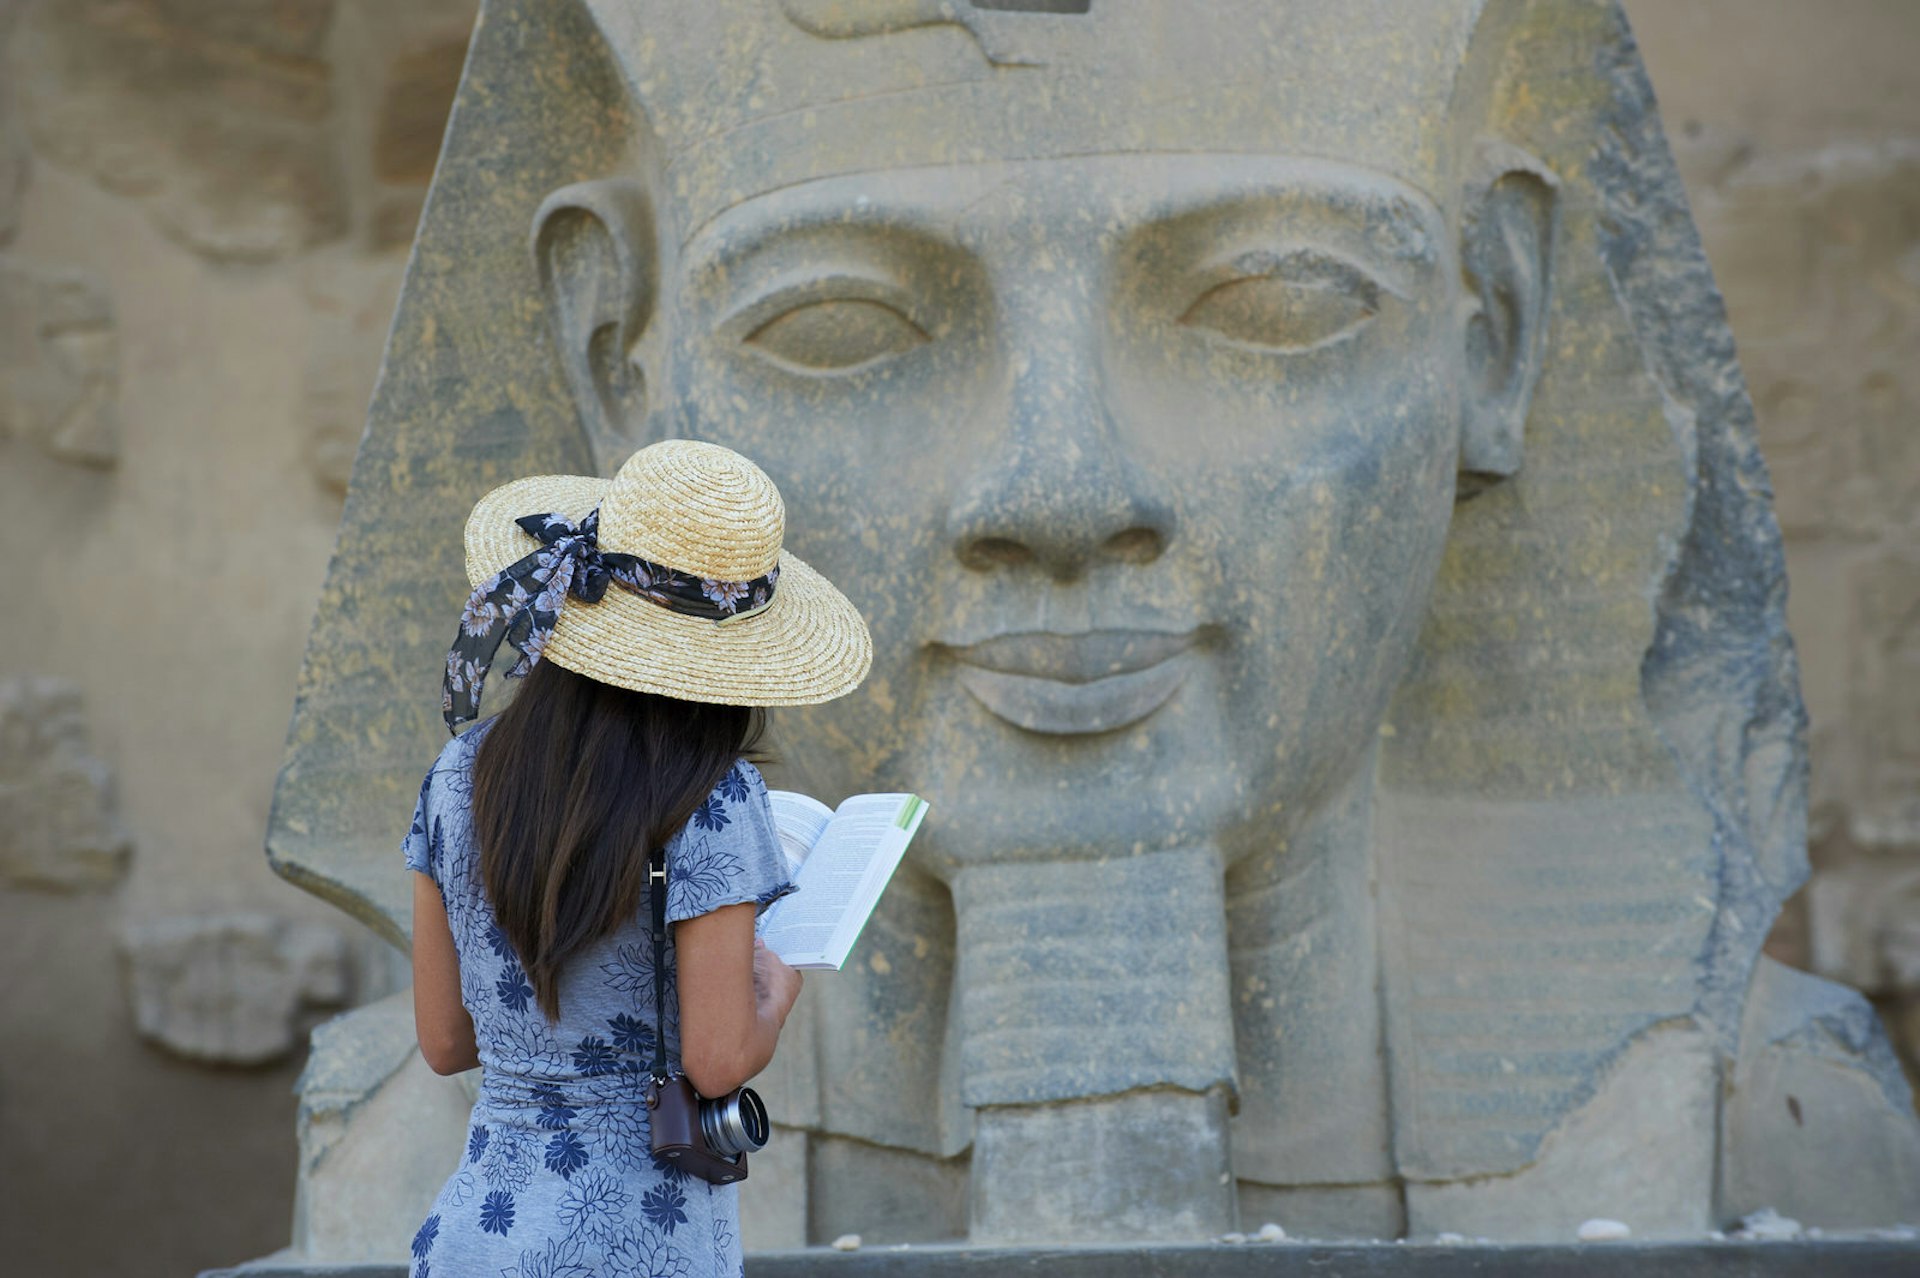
842,878
884,823
798,819
800,927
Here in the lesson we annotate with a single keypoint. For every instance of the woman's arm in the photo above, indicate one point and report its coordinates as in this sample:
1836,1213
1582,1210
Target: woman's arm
734,996
439,1017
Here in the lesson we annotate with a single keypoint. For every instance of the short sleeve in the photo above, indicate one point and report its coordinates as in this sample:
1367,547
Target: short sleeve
417,847
728,853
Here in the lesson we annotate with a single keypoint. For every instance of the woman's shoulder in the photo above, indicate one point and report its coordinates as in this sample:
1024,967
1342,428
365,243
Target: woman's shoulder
740,793
744,773
450,780
728,851
457,754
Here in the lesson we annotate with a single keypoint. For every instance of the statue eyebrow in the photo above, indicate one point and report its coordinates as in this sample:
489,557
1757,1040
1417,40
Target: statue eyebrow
1388,221
873,221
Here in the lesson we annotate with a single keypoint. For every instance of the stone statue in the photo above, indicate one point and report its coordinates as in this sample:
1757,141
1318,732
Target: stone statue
1292,460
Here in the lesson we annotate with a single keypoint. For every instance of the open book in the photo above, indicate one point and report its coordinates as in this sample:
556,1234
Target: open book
840,862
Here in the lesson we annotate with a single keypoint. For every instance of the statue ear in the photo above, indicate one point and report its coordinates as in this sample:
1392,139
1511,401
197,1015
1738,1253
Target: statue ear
1507,253
593,244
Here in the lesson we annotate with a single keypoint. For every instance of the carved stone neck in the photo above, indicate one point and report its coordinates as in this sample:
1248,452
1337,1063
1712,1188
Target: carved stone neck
1096,979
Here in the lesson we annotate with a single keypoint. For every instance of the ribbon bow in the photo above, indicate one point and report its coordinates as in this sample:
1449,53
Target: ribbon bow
520,604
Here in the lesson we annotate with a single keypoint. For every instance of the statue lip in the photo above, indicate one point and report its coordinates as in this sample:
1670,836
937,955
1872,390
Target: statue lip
1073,684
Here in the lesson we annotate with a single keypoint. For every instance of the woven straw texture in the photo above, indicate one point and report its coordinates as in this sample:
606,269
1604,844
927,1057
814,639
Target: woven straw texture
702,509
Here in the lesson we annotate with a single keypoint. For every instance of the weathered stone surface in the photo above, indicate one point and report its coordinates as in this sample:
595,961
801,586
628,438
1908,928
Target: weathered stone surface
16,155
1641,1152
57,823
59,362
1885,813
773,1200
1132,379
1864,924
76,1078
1058,1169
1818,1114
395,70
231,987
352,297
1817,252
16,166
1325,1211
249,133
378,1132
885,1195
213,113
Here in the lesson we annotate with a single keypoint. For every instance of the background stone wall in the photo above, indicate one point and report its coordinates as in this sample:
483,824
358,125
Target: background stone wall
205,207
204,211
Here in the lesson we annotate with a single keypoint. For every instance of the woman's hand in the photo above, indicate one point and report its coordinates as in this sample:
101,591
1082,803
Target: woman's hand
775,985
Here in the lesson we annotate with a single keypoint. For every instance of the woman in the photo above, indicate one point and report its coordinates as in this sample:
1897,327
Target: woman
653,614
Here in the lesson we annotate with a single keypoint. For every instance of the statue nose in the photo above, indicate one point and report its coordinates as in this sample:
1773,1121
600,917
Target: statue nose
1059,492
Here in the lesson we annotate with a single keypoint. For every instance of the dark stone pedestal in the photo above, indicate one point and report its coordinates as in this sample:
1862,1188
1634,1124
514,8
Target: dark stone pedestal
1823,1259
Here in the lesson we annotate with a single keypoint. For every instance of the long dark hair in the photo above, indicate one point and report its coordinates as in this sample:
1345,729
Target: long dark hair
576,782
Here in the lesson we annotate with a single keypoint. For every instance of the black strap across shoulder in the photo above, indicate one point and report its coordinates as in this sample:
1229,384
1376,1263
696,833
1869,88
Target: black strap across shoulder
657,897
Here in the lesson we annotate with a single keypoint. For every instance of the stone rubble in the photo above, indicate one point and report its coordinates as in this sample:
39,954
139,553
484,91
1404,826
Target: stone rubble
1766,1225
1600,1229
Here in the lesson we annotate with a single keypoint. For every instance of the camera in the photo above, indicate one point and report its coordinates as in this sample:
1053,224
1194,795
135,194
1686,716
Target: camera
706,1138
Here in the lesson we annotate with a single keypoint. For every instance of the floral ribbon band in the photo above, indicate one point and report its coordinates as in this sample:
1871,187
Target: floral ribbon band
520,604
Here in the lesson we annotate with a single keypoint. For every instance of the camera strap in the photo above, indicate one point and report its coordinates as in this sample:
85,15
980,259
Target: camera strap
657,898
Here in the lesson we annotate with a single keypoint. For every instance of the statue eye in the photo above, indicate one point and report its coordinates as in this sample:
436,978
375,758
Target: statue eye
1286,308
836,335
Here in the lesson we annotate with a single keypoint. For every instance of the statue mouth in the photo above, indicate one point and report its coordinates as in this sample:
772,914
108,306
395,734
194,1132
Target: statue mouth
1075,684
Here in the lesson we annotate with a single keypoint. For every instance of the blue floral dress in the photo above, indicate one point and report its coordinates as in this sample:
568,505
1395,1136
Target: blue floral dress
558,1178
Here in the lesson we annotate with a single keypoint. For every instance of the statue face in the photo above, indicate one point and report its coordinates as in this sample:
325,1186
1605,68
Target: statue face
1139,467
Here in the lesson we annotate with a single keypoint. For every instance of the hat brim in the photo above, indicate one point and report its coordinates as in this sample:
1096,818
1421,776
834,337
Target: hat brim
807,646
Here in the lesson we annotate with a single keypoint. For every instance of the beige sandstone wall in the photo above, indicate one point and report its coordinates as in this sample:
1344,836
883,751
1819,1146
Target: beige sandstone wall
204,212
204,206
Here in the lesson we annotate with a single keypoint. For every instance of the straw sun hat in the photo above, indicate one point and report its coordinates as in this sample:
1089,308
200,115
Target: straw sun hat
695,598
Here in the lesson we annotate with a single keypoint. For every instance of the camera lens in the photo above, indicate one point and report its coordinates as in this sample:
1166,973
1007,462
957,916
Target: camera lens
735,1124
